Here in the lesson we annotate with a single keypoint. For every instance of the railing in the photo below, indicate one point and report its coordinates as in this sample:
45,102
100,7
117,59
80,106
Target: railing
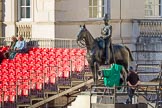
150,27
24,29
43,42
147,90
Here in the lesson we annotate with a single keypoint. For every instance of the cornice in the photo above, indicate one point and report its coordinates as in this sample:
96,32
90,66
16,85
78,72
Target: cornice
92,22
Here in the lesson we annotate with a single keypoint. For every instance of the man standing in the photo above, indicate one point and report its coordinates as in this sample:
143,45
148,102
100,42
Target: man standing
106,32
132,81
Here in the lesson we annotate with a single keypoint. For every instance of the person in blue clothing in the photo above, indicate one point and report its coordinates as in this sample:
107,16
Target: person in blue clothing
20,47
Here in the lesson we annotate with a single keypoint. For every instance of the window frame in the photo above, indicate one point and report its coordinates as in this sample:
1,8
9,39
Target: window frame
154,5
19,11
104,8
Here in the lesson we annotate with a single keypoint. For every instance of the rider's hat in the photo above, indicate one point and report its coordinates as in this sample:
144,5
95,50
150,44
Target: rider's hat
106,17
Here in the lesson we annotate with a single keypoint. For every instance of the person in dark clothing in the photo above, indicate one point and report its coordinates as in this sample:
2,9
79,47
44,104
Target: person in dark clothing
132,81
11,48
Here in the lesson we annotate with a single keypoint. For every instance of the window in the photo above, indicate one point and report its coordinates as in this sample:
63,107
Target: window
97,8
24,9
153,8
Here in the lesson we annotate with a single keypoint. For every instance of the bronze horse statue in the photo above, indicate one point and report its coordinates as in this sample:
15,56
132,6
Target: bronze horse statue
96,55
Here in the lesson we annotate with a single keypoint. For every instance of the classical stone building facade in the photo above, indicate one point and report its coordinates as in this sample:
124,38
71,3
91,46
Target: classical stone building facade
72,13
135,23
130,19
30,18
61,18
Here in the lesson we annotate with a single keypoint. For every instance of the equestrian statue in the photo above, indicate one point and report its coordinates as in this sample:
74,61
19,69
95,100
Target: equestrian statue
101,51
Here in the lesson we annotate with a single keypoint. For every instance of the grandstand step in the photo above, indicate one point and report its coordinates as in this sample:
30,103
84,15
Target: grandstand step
23,105
76,79
49,93
99,105
35,99
63,87
88,74
58,106
74,83
148,89
149,83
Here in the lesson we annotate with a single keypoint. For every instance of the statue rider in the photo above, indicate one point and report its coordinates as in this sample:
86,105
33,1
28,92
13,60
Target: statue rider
106,32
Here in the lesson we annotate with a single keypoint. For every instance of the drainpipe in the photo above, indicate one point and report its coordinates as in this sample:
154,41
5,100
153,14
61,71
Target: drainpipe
15,15
1,17
121,23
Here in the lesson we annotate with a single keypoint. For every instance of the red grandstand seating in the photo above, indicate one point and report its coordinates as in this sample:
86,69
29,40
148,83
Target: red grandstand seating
39,66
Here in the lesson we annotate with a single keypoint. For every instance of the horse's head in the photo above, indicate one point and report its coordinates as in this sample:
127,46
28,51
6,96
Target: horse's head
81,36
84,38
82,33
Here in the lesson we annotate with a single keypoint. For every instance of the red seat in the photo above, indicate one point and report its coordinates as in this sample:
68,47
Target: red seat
25,90
25,66
12,97
45,62
60,72
39,84
53,79
12,94
46,78
66,73
51,54
6,96
4,48
79,68
45,50
34,49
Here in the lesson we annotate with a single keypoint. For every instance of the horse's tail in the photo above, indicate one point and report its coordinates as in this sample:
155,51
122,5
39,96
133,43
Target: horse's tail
130,54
